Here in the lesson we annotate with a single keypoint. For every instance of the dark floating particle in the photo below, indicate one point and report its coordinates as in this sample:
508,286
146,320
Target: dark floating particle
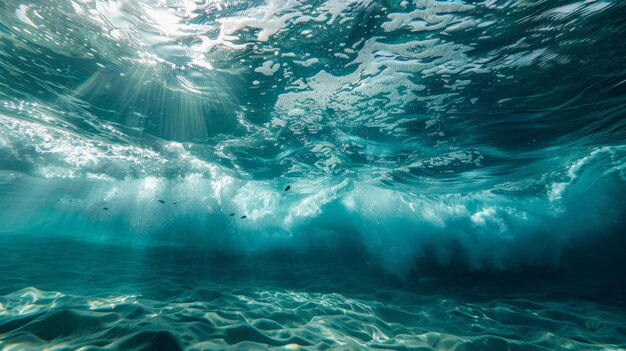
161,201
174,203
232,214
242,217
105,208
288,187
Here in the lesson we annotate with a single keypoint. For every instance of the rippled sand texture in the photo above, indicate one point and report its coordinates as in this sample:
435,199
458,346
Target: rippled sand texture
69,296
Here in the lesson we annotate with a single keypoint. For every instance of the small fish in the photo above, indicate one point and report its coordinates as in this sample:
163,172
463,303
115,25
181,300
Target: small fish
288,187
105,208
242,217
232,214
161,201
174,203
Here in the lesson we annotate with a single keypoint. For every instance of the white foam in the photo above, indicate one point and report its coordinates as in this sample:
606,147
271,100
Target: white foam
268,68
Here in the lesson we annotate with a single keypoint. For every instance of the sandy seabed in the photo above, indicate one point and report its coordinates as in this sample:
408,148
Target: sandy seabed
59,294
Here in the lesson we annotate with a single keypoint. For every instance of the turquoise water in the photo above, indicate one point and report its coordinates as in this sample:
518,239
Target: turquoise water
314,175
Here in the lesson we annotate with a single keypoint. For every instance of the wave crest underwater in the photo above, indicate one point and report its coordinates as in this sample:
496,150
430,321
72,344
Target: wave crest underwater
473,135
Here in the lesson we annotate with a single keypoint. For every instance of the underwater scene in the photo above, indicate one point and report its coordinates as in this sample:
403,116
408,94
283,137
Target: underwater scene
337,175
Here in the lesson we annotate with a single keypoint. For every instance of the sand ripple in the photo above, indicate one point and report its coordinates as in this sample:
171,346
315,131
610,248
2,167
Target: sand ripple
90,298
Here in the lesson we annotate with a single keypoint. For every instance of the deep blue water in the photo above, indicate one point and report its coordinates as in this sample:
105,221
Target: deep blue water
312,175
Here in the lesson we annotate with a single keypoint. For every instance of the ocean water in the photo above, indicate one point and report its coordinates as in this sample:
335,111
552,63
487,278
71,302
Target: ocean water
312,175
